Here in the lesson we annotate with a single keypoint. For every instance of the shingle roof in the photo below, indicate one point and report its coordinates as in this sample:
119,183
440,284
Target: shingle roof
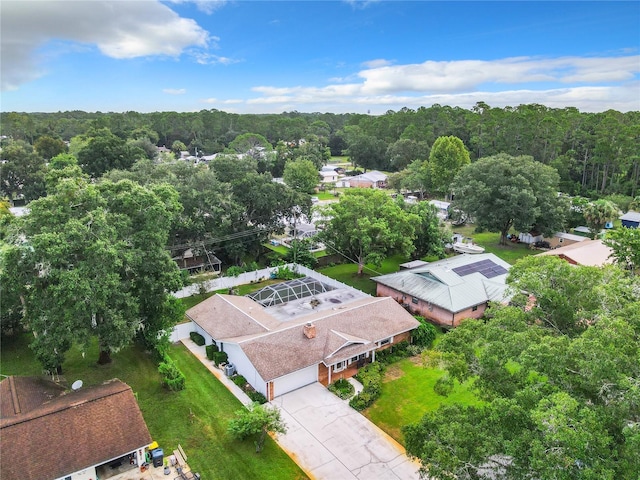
570,236
592,253
439,284
69,432
341,333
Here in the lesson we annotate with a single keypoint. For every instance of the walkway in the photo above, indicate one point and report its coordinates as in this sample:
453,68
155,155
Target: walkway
326,437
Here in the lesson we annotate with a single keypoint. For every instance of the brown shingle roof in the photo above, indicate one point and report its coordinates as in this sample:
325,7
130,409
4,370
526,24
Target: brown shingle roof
593,253
70,432
338,332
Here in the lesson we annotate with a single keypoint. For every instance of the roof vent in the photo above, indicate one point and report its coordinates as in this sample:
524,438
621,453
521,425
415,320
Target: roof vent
309,330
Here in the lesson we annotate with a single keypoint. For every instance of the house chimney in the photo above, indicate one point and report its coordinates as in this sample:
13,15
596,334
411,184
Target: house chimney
309,330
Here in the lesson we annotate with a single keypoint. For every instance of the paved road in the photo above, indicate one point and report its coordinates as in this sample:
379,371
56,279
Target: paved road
331,441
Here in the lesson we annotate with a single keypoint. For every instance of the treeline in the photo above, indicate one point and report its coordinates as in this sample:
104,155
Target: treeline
596,154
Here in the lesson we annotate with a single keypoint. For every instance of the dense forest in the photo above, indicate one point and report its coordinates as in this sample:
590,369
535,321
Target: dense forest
596,154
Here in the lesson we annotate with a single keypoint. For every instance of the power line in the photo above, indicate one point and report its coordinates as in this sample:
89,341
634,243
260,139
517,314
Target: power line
224,238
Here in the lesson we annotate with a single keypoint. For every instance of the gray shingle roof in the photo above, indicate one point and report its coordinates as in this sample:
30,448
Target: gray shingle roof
438,284
631,216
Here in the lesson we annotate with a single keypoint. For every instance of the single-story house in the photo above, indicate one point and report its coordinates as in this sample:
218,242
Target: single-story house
450,290
49,432
589,252
631,219
328,176
291,334
442,207
196,260
372,179
562,239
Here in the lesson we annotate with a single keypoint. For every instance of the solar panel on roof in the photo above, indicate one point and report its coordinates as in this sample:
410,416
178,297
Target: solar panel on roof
485,267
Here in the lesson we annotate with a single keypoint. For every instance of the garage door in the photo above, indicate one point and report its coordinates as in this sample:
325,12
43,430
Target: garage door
295,380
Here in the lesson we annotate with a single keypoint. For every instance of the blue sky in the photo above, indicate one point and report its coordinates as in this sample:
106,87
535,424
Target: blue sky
327,56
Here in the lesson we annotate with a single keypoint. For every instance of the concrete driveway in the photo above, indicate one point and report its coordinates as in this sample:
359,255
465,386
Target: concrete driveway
332,441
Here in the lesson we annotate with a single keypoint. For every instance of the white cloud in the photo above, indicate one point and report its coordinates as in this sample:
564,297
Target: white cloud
204,58
590,84
206,6
380,62
174,91
119,29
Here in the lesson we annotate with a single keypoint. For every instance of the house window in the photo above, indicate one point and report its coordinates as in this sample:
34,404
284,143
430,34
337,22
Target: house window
414,300
338,367
353,359
475,307
386,341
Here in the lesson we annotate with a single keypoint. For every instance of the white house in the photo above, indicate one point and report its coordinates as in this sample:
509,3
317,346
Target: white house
291,334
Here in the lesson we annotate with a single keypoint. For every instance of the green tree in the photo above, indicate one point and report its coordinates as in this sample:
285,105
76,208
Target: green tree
251,143
97,266
556,403
598,213
502,192
178,146
48,147
301,175
256,421
404,151
625,243
367,225
104,151
430,238
299,252
22,172
448,156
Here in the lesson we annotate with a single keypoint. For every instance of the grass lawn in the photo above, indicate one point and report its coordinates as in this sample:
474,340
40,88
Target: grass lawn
196,417
347,273
510,253
407,394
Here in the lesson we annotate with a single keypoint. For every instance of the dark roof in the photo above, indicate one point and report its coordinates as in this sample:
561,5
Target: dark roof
68,432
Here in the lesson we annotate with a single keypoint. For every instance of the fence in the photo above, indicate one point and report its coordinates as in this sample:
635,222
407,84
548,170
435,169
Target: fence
224,283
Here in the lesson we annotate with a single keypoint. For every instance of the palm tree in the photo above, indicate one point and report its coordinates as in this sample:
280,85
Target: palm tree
598,213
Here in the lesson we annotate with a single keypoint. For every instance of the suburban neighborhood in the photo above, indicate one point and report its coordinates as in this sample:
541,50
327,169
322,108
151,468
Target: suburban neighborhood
345,240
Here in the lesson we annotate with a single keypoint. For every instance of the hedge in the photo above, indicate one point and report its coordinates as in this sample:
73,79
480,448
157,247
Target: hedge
197,338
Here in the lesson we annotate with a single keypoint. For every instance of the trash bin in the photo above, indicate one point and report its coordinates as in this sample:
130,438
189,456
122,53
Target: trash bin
157,456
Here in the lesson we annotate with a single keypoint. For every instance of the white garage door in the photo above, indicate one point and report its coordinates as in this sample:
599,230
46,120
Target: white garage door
295,380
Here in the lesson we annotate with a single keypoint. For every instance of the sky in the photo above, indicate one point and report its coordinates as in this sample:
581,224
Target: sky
316,56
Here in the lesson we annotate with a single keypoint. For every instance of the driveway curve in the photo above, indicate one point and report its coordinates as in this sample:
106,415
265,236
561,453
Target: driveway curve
331,441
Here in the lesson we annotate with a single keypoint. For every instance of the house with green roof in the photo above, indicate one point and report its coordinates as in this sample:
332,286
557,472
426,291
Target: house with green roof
447,291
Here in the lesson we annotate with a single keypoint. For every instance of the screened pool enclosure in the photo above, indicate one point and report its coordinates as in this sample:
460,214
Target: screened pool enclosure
289,291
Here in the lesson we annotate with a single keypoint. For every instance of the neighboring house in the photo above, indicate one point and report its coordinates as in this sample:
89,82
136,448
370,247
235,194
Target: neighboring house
583,231
49,433
291,334
303,230
588,252
631,219
328,176
562,239
530,237
196,261
442,207
450,290
372,179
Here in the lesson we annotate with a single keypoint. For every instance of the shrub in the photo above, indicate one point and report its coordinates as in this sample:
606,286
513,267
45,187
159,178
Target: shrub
172,377
342,388
220,357
239,380
197,338
234,271
425,334
211,349
257,397
393,353
371,379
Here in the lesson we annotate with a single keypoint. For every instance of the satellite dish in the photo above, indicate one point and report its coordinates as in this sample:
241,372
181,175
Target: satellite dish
76,385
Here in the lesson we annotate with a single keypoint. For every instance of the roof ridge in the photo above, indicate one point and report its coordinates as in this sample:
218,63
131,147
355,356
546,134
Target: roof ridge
37,413
246,314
